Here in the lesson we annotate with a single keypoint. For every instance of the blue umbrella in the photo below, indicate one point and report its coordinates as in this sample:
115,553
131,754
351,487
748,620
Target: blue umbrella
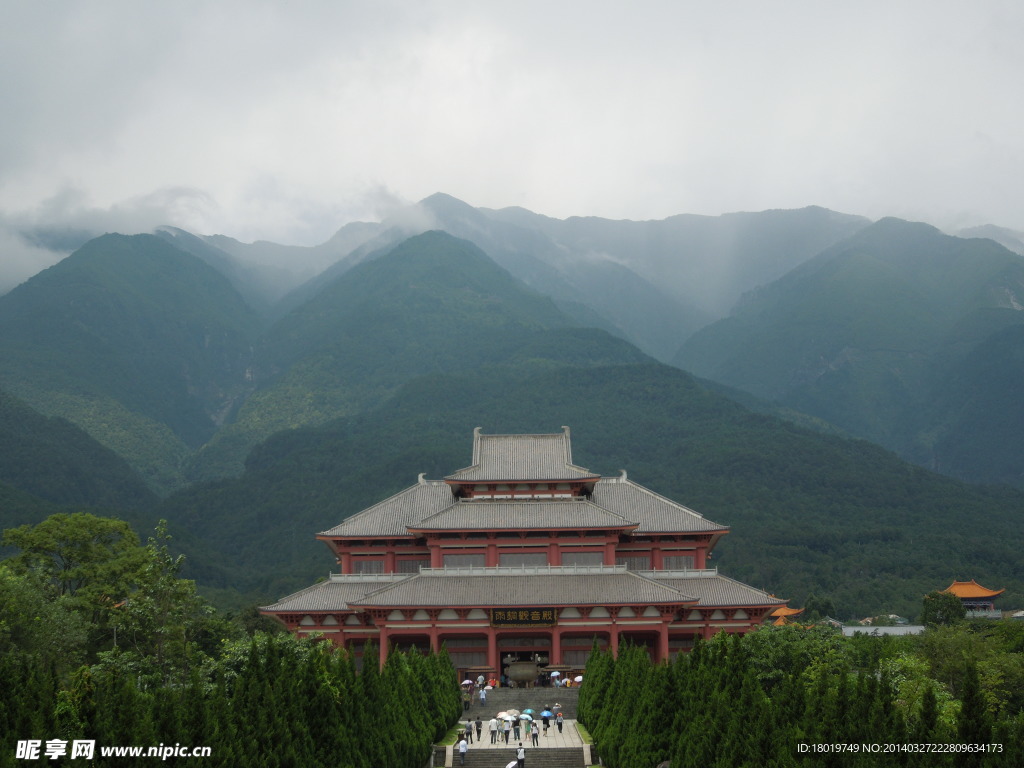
527,711
546,713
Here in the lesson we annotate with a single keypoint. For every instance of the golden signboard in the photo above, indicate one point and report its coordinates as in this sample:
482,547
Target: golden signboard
524,617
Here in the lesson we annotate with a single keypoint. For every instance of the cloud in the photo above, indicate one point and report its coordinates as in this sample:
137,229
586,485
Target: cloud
266,121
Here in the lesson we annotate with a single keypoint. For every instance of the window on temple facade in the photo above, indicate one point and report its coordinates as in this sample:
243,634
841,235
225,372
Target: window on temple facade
635,563
523,558
464,561
582,558
677,562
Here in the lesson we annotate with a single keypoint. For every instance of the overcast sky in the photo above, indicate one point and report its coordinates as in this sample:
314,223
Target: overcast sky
284,121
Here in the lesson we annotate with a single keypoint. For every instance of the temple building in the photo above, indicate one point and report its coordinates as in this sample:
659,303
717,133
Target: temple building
524,556
978,601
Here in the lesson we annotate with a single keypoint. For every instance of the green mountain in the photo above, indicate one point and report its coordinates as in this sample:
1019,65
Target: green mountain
55,461
142,345
704,262
809,513
433,303
873,336
384,370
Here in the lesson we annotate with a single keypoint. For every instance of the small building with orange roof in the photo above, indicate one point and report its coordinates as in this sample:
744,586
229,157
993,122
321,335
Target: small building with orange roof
977,600
784,615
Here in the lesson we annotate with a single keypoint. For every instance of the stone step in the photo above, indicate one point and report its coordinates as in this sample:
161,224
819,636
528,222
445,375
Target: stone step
535,758
527,698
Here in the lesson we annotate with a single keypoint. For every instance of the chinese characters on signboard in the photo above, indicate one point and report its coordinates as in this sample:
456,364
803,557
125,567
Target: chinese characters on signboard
523,617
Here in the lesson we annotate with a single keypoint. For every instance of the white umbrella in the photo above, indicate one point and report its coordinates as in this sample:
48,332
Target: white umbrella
514,712
491,687
467,682
556,674
513,764
578,678
526,717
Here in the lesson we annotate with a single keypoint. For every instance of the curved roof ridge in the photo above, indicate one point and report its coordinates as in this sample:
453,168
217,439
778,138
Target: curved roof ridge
626,481
376,507
522,457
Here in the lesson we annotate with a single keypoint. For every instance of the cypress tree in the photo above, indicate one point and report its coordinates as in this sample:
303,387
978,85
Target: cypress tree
973,725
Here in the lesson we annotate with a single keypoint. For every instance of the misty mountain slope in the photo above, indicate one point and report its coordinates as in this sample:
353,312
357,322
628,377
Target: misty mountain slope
865,334
272,270
808,512
142,345
974,427
631,305
591,290
432,304
56,461
705,262
1010,239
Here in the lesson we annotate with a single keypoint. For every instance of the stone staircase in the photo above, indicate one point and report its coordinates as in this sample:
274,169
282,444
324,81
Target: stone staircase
527,698
558,755
535,758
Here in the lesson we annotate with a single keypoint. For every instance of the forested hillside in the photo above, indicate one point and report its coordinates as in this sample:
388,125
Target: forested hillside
388,365
899,335
810,513
143,346
54,460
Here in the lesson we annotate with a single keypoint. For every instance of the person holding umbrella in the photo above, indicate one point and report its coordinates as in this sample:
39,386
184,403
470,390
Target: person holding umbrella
545,717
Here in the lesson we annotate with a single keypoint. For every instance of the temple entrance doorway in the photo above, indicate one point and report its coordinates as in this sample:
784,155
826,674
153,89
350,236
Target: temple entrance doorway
522,656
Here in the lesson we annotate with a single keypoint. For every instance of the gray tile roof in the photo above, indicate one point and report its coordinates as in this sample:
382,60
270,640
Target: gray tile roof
712,589
393,516
552,586
653,513
556,587
521,457
333,595
524,514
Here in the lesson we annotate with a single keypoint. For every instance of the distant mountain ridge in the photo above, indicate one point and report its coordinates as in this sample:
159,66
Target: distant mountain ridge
141,344
875,335
294,421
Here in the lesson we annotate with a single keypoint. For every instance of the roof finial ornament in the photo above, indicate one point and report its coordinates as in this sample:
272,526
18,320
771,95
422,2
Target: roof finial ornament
421,479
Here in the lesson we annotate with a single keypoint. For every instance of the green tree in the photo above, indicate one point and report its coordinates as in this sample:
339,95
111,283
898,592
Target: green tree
163,622
80,555
974,725
942,608
32,623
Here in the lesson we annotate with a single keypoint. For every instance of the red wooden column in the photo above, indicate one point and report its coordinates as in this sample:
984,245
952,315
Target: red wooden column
389,560
554,555
609,553
657,563
436,560
613,640
700,559
384,642
556,647
492,651
663,640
